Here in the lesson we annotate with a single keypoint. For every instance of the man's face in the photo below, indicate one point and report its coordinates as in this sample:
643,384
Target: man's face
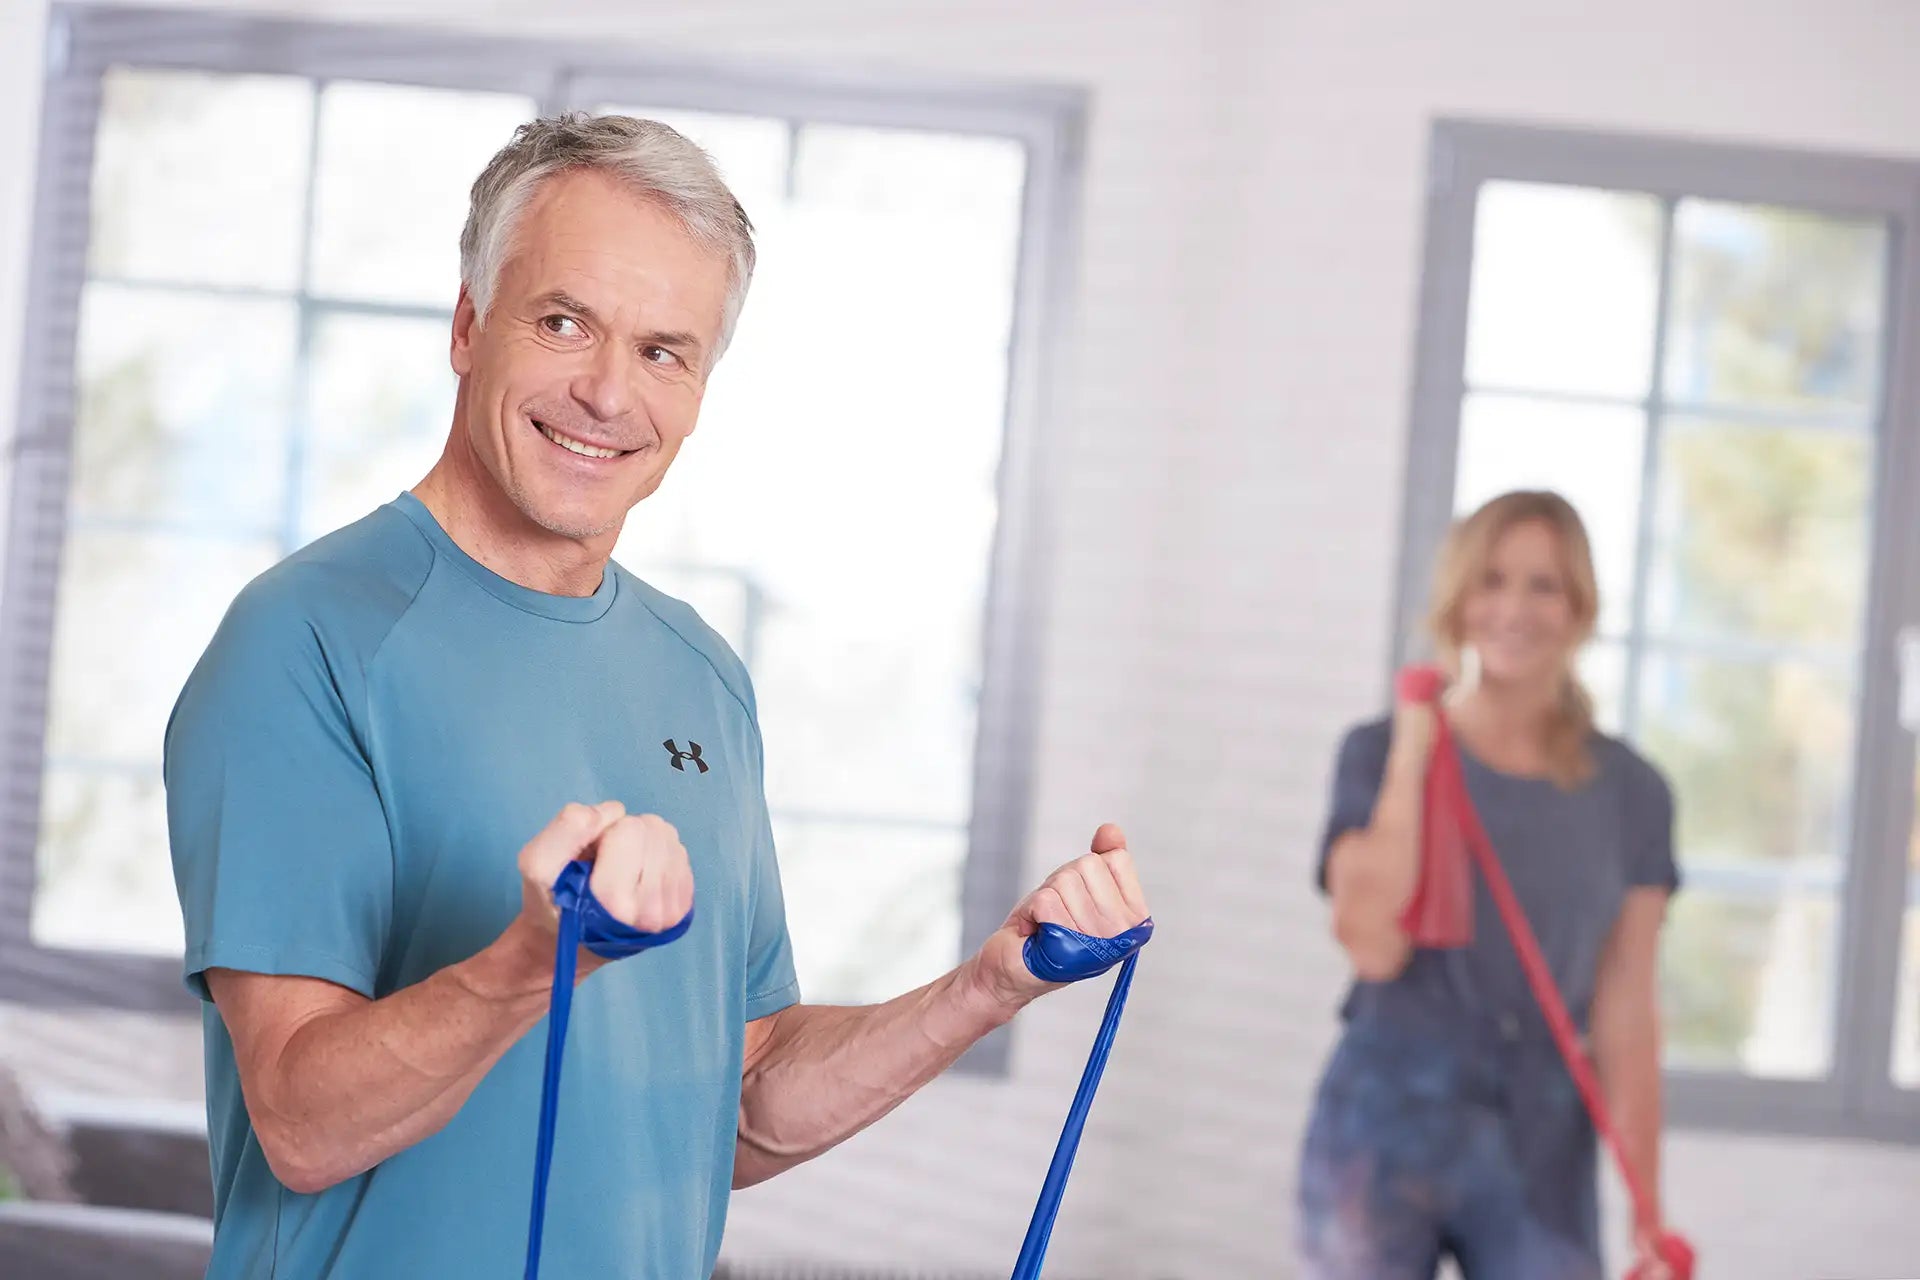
589,369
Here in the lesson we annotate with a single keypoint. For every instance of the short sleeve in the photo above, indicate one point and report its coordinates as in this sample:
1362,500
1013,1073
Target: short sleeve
281,853
1650,820
772,984
1358,770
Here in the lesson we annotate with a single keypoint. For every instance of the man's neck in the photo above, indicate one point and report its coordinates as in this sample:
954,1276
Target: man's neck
484,523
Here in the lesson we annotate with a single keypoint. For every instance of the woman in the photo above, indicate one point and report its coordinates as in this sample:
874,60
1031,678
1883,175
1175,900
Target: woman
1446,1123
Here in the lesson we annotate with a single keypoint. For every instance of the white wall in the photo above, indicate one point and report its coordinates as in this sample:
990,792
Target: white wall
1227,485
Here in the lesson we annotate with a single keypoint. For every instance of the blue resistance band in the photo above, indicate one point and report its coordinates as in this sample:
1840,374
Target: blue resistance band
1061,955
583,922
1053,954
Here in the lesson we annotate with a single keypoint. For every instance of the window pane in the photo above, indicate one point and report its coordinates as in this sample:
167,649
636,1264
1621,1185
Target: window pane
751,151
1774,307
183,408
1565,290
380,400
111,698
1747,979
396,164
1762,533
1759,753
883,175
862,511
1590,454
105,879
901,930
236,220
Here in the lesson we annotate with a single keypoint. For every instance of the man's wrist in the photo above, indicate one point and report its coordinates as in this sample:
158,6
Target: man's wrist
987,998
515,967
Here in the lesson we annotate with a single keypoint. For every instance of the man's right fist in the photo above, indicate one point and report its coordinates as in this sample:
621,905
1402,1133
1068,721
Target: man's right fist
640,870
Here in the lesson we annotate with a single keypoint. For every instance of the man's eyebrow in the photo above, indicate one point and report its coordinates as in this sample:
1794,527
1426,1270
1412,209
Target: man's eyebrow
671,338
566,302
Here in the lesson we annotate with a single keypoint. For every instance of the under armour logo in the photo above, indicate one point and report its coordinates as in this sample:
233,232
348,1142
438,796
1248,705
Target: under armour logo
680,757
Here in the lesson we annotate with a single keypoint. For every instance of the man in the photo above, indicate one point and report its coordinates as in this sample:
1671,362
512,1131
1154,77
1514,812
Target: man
356,765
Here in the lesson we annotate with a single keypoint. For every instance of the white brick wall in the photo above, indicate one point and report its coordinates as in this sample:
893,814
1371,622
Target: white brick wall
1228,476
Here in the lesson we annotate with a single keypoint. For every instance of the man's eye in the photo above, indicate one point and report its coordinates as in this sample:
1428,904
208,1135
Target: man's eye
561,326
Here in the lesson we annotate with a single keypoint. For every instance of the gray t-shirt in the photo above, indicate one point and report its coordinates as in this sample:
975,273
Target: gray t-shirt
1571,856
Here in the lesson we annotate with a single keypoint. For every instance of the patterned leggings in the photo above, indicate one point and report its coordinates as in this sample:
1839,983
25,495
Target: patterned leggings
1420,1149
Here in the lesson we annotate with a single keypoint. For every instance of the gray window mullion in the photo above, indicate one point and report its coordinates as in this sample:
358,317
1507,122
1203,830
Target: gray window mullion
1579,399
208,289
1836,419
1649,484
1030,114
47,406
1731,650
206,530
1880,883
1433,434
298,418
327,305
1857,421
790,185
1001,767
553,98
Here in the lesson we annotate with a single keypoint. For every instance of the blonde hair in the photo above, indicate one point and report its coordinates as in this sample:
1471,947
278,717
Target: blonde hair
1462,565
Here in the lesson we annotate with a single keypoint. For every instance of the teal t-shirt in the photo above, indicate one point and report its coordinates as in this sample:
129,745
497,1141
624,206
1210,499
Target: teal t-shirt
378,726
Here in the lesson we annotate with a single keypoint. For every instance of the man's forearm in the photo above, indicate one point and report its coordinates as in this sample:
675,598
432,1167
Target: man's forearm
351,1086
827,1072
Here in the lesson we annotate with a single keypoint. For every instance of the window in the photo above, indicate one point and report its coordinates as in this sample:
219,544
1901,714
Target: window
1709,351
248,349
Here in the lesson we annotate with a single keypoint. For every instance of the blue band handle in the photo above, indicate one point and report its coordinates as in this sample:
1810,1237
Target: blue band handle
584,922
1058,954
600,932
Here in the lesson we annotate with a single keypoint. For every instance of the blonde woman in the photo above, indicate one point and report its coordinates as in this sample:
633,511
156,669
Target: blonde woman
1445,1123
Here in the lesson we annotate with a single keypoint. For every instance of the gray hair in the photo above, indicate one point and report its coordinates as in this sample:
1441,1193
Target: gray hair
656,161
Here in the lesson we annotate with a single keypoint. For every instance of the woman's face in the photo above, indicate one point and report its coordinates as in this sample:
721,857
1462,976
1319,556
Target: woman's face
1519,617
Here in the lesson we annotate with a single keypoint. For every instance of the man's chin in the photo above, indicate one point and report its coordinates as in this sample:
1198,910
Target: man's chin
572,520
580,526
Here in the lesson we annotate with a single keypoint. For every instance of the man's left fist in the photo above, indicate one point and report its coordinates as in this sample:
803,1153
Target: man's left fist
1097,894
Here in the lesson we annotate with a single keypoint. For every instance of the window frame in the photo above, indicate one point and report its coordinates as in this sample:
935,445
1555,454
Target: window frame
1858,1097
83,41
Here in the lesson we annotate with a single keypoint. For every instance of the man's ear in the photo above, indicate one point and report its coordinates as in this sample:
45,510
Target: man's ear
466,325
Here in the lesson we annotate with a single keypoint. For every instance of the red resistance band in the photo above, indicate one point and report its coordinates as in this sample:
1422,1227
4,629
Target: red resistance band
1440,915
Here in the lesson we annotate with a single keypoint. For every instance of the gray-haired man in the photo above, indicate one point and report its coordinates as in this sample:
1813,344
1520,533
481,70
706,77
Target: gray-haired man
356,765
